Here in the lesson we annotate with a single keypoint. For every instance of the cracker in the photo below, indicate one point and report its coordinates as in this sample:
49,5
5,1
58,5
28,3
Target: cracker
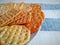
26,9
14,35
17,6
37,18
9,17
5,7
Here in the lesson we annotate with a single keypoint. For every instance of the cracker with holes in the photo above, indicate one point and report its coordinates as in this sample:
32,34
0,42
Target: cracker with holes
27,15
5,7
14,35
37,18
10,16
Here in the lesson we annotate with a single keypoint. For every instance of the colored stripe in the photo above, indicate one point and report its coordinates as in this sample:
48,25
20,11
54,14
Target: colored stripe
50,6
51,25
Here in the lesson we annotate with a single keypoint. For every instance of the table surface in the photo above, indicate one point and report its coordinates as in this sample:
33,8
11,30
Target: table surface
50,31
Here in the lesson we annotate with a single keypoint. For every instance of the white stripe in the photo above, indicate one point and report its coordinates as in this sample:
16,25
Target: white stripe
52,13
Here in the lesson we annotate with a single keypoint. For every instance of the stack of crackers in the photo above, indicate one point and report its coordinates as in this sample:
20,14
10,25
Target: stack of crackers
18,21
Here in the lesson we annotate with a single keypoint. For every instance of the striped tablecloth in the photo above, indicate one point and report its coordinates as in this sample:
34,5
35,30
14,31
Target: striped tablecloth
52,20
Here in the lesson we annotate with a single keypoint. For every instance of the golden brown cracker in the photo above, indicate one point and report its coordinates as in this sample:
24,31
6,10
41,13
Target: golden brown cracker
14,35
